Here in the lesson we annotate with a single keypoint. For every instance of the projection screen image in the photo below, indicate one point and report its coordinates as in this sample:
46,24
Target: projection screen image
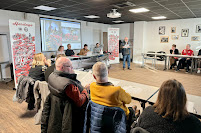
59,32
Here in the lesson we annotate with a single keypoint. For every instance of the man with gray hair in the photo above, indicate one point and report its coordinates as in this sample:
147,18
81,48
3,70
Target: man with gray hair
105,93
126,51
185,61
65,106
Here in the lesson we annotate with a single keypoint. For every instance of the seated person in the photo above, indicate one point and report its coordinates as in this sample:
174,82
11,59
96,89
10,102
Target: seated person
39,66
60,50
84,50
51,68
97,49
185,61
69,51
105,93
65,107
199,61
169,114
173,59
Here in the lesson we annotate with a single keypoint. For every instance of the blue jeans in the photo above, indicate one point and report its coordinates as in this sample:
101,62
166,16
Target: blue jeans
126,57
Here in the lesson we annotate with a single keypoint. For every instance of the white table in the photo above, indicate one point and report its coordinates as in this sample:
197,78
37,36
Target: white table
145,93
171,55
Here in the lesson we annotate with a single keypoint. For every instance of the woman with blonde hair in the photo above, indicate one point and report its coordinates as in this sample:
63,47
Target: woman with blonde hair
60,50
169,113
39,66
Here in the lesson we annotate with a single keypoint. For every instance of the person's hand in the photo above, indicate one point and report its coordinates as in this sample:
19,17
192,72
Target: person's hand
87,87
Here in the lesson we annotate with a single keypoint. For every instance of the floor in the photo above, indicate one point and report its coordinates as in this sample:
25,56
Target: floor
15,117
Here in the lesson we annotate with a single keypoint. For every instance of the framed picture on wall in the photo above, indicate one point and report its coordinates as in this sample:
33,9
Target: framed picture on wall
175,37
184,32
198,28
161,30
195,38
173,29
164,39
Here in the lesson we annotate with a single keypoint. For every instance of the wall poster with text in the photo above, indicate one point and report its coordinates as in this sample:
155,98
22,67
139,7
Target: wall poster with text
113,45
22,38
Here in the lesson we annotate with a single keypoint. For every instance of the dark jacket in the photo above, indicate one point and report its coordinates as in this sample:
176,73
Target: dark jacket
176,51
49,71
60,114
125,51
103,119
199,53
37,73
69,52
154,123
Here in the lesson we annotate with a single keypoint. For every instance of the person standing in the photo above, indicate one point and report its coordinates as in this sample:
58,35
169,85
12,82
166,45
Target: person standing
173,60
126,53
69,51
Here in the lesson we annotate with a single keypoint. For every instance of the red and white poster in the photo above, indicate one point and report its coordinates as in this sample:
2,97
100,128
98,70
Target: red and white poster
22,38
113,45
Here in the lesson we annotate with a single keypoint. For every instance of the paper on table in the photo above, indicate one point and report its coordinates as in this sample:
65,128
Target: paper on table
132,90
87,79
190,106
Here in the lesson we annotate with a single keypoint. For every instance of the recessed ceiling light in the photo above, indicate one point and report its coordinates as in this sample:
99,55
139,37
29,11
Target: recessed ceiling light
139,10
159,17
91,16
118,21
45,8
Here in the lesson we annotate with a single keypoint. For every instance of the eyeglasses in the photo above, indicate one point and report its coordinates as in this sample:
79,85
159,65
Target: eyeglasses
69,66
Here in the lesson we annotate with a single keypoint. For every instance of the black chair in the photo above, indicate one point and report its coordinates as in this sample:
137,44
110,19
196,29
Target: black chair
161,57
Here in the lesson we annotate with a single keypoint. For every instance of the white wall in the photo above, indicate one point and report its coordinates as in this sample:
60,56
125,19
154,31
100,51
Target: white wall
151,38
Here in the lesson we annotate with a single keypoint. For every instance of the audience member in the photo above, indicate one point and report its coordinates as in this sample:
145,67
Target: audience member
84,50
60,50
126,51
185,61
51,68
39,66
169,114
199,61
97,49
69,51
173,60
65,107
105,93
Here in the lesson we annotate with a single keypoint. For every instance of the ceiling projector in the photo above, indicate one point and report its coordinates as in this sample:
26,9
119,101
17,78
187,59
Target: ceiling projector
114,14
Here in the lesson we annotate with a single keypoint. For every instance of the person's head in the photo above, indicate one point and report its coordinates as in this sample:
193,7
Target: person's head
61,48
97,45
173,47
100,72
69,46
39,59
188,46
85,46
60,55
126,39
171,101
64,64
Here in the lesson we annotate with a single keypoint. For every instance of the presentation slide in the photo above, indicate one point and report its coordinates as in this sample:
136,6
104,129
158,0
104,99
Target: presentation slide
59,32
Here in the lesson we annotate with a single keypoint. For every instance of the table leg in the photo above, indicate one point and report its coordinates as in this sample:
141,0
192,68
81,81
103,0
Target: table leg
1,73
168,63
155,61
142,60
192,65
196,64
165,67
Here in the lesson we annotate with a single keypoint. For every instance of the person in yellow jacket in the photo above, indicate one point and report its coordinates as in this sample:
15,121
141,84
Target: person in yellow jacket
105,93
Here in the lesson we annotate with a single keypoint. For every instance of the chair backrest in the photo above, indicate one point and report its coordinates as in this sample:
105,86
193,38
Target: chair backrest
138,130
150,55
103,119
161,57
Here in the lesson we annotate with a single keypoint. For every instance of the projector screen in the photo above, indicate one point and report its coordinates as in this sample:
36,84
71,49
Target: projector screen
59,32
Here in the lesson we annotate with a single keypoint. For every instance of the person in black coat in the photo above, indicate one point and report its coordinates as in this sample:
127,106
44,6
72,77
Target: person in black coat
169,114
173,60
69,51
